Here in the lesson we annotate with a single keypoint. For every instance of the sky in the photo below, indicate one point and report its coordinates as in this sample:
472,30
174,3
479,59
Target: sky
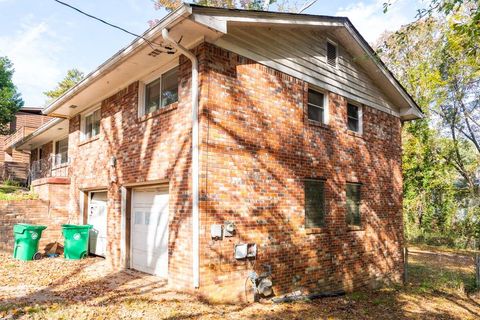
44,39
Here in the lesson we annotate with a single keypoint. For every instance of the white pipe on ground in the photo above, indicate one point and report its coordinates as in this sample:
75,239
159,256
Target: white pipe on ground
195,155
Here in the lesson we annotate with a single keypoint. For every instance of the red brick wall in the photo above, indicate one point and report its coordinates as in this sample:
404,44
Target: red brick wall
146,149
257,148
33,212
24,119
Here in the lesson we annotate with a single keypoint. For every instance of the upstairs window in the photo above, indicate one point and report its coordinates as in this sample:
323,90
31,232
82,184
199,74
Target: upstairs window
354,118
161,92
331,54
61,151
91,124
353,204
314,203
316,106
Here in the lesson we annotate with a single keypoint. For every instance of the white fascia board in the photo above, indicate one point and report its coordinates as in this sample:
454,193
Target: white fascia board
220,23
411,114
170,20
214,23
39,131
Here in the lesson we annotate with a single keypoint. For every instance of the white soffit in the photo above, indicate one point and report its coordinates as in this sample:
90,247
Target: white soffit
51,130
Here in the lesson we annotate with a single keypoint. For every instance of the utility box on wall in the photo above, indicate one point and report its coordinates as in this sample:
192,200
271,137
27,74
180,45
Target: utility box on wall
216,231
245,250
228,229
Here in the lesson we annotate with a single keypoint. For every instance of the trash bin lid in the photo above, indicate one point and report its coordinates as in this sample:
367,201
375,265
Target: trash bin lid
21,227
76,226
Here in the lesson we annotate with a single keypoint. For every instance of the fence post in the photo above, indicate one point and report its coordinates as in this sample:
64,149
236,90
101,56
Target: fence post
405,265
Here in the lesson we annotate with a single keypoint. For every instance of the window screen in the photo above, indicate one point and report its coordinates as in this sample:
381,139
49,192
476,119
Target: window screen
61,151
353,119
162,91
92,124
331,54
353,204
170,87
316,108
314,203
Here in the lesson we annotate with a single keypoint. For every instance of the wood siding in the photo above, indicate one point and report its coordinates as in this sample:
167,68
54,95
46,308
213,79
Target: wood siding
301,52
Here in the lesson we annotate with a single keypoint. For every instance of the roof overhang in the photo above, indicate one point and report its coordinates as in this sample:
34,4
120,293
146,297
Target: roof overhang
50,131
193,23
221,20
131,63
31,109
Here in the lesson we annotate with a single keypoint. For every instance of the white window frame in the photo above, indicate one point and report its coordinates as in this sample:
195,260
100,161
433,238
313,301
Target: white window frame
336,53
360,116
326,107
142,84
54,154
87,113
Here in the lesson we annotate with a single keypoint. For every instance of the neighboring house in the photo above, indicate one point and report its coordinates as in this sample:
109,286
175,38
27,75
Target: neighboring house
297,144
14,163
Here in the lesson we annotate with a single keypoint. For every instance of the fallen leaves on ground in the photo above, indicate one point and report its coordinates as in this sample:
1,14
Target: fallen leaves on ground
89,289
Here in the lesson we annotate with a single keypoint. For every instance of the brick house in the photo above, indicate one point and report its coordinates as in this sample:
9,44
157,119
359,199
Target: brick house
14,163
220,129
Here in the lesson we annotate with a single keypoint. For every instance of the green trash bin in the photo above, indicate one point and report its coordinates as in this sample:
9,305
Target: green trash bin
27,237
76,241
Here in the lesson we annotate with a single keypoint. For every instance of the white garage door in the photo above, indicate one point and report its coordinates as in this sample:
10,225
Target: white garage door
97,217
150,231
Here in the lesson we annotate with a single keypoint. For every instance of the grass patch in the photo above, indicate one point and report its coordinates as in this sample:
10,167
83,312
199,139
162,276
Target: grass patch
358,296
429,279
14,192
427,247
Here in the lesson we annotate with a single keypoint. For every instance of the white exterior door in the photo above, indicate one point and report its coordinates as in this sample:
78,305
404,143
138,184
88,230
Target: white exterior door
149,236
97,217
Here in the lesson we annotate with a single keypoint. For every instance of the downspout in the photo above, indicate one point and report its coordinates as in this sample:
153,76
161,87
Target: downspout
195,155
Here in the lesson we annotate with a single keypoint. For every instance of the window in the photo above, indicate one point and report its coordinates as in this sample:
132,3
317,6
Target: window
316,106
353,204
331,54
92,124
61,151
314,203
161,92
353,117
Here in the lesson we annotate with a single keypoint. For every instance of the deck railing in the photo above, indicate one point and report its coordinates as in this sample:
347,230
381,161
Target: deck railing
53,166
17,136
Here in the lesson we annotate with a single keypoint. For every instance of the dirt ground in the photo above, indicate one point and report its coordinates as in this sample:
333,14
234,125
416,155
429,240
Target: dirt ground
441,286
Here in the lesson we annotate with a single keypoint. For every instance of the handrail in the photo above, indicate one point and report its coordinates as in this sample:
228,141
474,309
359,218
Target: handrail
53,166
17,136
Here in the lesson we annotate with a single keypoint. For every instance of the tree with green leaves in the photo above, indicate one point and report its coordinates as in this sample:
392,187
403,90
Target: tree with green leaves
441,155
10,98
73,77
465,24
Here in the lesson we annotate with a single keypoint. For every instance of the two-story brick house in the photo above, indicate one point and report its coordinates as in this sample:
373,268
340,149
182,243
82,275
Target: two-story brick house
223,127
14,164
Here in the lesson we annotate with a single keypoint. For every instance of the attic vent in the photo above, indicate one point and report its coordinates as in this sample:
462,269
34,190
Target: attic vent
155,53
331,54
